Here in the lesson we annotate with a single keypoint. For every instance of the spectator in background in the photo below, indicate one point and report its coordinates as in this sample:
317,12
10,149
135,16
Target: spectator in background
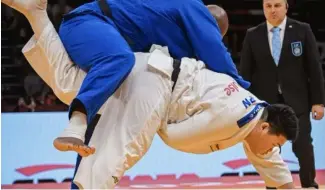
281,60
26,104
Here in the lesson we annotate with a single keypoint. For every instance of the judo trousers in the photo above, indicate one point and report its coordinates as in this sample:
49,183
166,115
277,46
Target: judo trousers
97,47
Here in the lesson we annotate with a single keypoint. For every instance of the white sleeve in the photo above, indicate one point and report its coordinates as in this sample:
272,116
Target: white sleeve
271,167
49,59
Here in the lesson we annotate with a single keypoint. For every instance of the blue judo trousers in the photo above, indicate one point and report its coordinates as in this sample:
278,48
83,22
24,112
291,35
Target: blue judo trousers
103,47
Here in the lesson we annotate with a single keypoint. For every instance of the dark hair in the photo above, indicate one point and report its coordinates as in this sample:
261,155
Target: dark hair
286,1
283,121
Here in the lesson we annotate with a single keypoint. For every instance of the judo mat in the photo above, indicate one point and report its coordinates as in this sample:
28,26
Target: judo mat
185,181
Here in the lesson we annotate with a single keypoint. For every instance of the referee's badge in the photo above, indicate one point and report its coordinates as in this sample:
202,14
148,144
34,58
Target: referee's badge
296,48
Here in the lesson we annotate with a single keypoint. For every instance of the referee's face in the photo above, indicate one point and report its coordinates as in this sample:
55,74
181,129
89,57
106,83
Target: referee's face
275,11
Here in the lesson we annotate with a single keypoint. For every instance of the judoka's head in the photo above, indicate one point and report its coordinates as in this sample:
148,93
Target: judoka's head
277,125
221,17
275,11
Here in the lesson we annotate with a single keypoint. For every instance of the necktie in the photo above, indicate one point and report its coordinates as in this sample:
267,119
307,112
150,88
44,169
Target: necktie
276,44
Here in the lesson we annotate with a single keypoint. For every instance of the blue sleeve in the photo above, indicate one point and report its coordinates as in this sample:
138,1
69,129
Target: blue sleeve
206,39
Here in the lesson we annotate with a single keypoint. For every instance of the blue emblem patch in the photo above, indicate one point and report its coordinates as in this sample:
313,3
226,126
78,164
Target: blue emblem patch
296,48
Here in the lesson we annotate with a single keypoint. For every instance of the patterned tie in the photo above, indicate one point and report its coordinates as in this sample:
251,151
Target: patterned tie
276,44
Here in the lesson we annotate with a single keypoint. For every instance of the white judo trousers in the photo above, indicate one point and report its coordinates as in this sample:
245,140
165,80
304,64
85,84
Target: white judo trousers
204,105
138,108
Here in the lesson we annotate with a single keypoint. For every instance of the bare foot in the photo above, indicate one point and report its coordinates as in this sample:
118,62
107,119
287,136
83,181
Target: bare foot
73,144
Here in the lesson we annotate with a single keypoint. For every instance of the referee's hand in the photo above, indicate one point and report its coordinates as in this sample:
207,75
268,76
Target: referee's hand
317,112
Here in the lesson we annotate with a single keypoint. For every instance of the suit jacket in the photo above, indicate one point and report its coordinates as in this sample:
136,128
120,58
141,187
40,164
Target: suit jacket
298,73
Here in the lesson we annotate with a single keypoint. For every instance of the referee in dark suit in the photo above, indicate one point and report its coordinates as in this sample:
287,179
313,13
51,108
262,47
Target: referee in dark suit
281,60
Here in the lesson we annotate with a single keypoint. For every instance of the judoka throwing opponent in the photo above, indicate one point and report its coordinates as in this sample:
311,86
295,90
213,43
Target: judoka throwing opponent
101,36
193,109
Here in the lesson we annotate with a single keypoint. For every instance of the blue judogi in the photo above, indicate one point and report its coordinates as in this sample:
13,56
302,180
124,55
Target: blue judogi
104,47
97,44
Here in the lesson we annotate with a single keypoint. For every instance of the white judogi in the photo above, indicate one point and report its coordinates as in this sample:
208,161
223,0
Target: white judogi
206,112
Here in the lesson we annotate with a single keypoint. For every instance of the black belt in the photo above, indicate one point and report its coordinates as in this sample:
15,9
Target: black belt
176,71
106,10
103,5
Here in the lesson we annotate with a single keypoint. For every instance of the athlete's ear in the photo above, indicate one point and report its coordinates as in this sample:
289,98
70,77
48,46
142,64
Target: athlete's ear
265,125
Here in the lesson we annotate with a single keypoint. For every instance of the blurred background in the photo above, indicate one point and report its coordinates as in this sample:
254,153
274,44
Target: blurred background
29,106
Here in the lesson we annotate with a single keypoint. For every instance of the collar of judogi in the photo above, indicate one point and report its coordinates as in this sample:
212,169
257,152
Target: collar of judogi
252,114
